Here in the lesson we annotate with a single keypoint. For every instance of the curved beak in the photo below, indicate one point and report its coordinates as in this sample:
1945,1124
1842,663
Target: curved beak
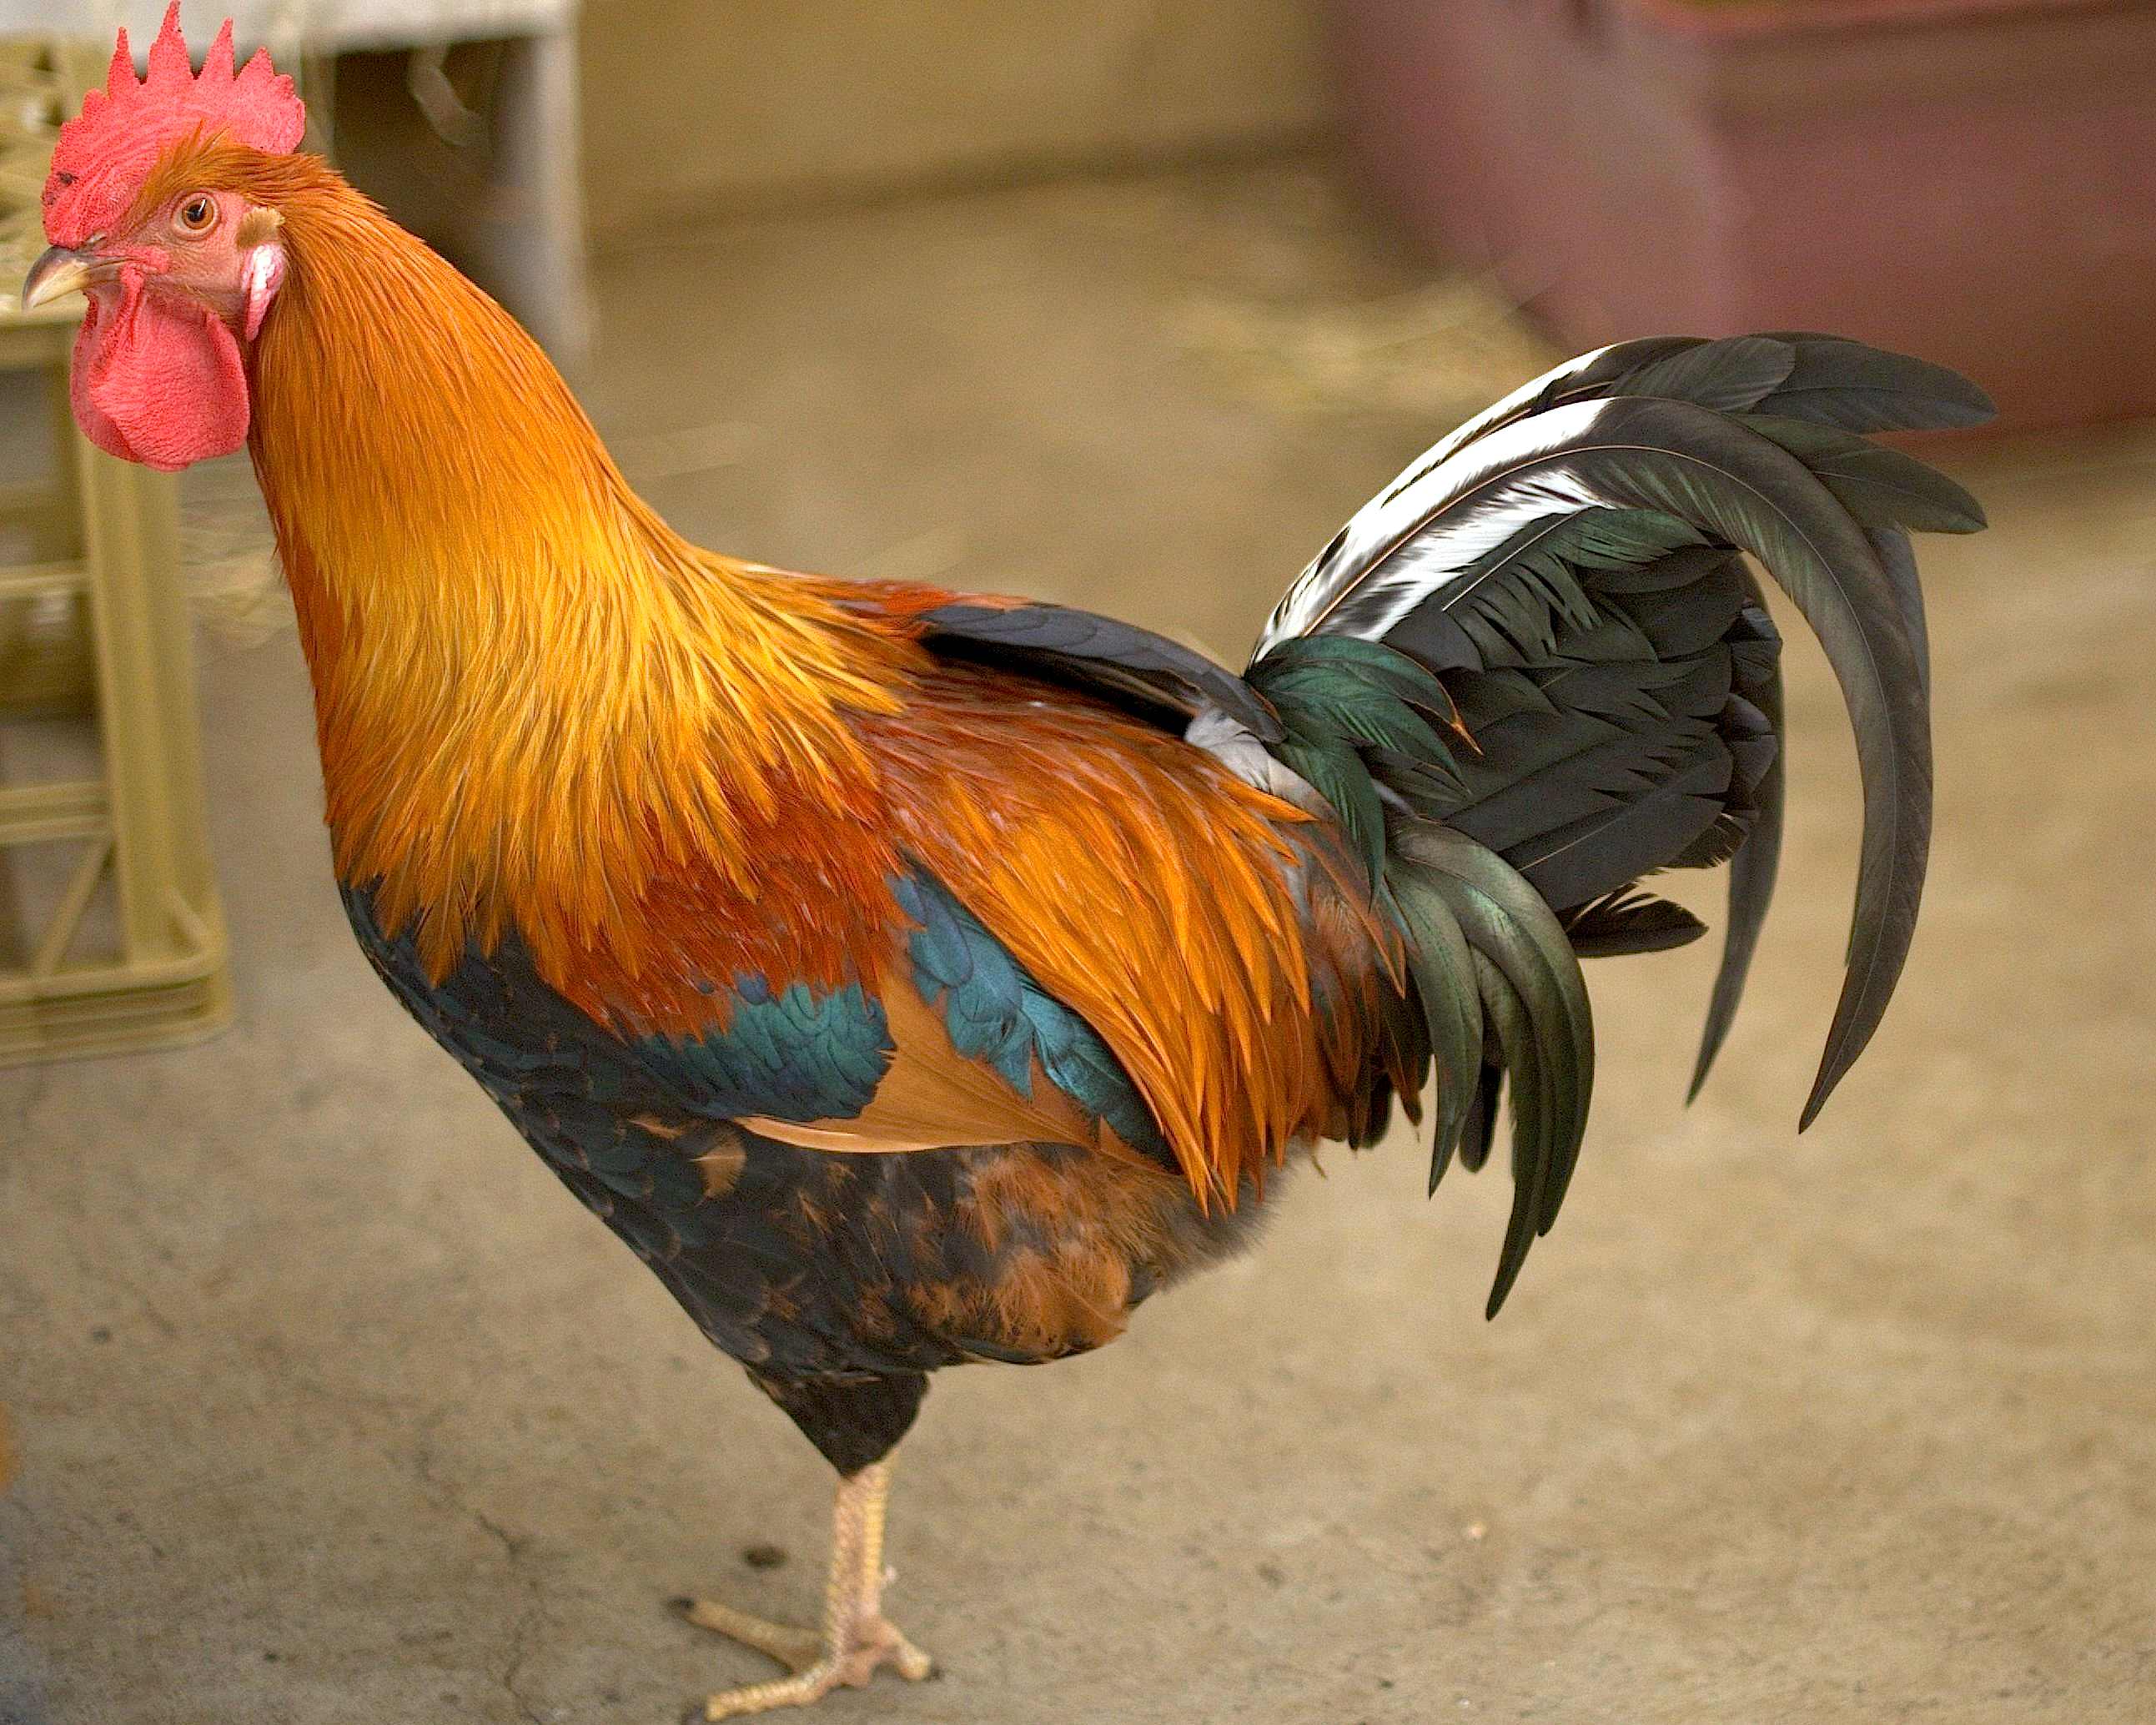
60,271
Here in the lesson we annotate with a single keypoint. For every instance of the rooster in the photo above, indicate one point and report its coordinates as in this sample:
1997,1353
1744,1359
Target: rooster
910,979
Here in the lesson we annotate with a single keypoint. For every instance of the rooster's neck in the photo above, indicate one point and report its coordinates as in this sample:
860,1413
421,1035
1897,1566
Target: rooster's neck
529,691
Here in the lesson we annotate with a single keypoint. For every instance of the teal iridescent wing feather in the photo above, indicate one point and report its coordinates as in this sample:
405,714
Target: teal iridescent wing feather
998,1013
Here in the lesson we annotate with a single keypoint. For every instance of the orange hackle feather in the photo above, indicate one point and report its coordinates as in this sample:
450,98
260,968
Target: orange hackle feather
533,698
540,710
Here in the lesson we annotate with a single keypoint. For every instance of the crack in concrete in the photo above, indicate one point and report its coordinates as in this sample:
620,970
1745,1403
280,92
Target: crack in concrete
77,1239
530,1623
536,1617
513,1543
520,1650
99,1272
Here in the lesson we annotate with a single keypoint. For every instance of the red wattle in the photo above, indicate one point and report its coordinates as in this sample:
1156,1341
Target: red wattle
158,378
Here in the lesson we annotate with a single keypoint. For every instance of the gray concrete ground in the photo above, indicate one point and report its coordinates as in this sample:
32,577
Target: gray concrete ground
329,1406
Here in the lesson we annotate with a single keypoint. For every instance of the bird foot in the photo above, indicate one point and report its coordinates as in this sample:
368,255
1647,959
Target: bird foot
820,1663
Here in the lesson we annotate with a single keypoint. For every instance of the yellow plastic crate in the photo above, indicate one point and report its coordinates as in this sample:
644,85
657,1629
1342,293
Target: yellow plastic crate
125,946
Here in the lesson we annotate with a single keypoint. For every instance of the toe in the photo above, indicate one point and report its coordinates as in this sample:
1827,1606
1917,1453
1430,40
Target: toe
797,1648
911,1663
879,1644
803,1689
908,1660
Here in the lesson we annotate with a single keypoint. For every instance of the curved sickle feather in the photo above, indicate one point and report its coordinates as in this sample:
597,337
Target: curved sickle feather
1587,377
1531,993
1752,873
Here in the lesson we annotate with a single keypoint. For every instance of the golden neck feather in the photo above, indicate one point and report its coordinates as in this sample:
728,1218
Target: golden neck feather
532,696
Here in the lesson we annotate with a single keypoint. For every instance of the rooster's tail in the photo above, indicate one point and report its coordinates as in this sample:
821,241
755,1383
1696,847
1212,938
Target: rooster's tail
1562,584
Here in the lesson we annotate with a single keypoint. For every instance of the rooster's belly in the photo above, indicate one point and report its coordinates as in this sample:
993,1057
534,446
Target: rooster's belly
798,1262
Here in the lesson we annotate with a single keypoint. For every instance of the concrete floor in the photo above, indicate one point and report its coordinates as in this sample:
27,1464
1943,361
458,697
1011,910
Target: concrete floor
329,1406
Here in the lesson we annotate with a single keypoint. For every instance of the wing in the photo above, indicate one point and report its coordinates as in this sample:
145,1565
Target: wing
1208,930
952,1043
1162,681
1102,934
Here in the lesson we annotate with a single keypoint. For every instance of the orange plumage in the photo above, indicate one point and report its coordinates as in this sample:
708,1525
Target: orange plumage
546,711
911,979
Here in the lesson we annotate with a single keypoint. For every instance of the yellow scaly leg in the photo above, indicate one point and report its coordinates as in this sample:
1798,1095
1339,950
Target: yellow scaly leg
856,1637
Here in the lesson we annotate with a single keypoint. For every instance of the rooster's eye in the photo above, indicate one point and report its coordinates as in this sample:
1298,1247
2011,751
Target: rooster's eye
198,214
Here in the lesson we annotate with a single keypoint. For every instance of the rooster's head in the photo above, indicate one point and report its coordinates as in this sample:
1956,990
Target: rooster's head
179,274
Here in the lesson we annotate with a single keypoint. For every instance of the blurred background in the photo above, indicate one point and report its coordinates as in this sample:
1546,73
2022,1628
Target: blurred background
318,1400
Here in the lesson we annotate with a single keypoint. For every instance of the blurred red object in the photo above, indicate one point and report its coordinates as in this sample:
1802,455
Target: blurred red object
1973,181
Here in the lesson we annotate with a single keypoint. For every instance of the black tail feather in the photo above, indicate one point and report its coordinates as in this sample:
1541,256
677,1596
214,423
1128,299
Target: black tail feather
1567,567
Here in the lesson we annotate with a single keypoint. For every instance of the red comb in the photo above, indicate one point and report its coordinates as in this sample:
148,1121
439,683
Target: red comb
105,151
